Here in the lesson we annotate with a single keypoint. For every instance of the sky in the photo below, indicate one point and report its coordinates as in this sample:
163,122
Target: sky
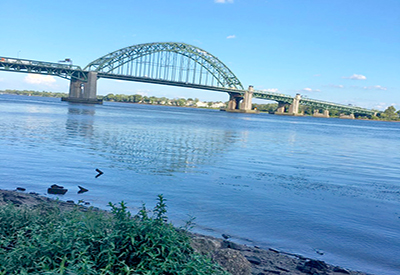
342,51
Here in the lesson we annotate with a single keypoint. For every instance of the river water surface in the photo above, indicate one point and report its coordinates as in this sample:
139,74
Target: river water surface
324,188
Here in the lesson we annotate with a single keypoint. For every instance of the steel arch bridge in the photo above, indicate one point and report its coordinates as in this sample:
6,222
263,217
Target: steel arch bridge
166,63
179,63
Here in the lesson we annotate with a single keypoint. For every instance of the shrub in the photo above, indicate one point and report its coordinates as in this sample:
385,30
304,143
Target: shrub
46,240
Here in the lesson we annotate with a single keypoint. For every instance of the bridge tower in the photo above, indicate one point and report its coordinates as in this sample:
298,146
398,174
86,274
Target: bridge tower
83,92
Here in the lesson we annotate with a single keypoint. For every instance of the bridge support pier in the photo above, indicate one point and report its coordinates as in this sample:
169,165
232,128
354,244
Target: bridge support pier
351,116
241,103
281,108
83,92
318,114
293,109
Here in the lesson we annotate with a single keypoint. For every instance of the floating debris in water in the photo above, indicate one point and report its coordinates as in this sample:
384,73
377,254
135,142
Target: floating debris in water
82,190
99,173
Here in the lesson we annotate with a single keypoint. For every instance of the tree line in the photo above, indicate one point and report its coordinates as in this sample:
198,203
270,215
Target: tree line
389,114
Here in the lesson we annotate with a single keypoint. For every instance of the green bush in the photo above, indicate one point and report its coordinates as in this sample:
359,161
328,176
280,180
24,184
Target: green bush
46,240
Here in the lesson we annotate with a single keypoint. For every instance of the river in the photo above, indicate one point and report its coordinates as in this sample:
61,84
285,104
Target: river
328,189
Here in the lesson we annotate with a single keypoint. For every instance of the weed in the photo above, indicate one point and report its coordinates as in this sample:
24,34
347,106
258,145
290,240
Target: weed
46,240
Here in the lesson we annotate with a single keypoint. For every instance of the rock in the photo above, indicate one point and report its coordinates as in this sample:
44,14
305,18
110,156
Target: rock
204,245
228,244
340,270
57,186
20,189
56,190
225,236
70,201
273,250
314,267
233,261
254,260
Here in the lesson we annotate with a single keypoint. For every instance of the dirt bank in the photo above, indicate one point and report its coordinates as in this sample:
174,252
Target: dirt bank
236,258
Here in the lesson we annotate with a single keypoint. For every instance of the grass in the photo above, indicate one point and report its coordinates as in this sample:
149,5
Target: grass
46,240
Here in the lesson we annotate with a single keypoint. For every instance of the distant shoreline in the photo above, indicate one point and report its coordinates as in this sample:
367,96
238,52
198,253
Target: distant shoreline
190,103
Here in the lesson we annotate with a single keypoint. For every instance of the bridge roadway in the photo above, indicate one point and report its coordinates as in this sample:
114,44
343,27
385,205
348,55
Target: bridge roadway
240,100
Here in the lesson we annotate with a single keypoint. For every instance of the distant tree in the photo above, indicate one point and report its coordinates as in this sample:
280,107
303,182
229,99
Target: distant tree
334,112
390,114
268,108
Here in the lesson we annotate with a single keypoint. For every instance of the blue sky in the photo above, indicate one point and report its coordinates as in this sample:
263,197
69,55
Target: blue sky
344,51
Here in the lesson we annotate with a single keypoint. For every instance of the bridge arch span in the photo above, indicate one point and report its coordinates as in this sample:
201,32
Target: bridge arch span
169,61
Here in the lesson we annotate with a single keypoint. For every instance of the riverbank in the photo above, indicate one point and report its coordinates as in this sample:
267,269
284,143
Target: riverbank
236,258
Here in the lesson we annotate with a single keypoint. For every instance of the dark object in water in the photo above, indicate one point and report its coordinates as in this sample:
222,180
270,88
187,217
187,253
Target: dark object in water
225,236
57,190
20,189
82,190
57,186
99,173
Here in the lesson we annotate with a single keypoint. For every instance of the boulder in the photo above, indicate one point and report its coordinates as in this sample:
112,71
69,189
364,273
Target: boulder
233,261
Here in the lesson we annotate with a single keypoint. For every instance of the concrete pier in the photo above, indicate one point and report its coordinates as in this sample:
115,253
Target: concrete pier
83,92
241,103
318,114
351,116
281,108
292,109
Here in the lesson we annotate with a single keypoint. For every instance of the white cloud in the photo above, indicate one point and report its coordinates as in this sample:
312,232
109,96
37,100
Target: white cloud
382,106
231,36
356,77
376,87
336,86
223,1
309,90
47,80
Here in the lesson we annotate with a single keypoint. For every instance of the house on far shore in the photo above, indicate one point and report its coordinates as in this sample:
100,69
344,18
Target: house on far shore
201,104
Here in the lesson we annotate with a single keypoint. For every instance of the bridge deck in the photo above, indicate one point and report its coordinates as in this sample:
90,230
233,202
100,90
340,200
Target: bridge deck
73,71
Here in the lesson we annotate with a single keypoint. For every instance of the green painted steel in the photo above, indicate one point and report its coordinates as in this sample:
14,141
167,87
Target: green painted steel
324,105
317,104
287,99
41,67
167,61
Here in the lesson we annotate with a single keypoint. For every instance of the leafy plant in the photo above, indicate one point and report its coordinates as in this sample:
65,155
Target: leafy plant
46,240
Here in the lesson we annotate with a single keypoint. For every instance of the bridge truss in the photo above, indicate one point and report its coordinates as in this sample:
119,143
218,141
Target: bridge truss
166,63
170,62
41,67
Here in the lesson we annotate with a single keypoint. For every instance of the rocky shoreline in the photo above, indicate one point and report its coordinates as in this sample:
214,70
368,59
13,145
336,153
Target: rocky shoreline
238,259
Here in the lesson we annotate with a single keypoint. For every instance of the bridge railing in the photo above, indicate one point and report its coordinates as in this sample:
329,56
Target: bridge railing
355,109
271,93
312,102
67,71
